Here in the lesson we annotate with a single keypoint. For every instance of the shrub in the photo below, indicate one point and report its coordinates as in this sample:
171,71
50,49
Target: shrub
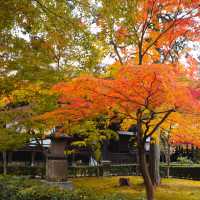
25,170
184,160
9,186
15,188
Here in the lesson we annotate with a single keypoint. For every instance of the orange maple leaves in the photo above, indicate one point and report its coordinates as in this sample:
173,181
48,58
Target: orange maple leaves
159,26
154,89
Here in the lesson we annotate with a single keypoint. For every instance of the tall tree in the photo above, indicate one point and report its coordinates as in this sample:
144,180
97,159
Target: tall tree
149,95
41,42
150,31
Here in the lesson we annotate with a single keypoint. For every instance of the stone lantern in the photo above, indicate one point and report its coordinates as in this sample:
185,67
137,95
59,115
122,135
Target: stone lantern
56,164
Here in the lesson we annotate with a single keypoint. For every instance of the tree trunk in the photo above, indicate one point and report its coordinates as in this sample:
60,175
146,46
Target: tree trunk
154,163
168,160
145,173
98,170
142,158
4,162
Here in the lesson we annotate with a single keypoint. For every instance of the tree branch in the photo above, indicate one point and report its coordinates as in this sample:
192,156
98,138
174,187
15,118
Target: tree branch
166,30
159,123
116,51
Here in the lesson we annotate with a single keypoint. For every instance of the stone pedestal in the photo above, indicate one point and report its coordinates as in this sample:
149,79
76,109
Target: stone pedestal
56,164
56,169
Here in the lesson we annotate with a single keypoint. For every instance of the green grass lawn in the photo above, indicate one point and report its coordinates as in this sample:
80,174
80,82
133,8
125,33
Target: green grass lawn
102,188
170,189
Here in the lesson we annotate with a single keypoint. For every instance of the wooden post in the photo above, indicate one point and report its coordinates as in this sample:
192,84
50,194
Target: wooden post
138,164
154,163
4,162
168,160
10,155
33,154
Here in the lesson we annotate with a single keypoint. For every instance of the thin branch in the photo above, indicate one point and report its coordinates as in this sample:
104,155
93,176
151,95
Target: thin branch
47,10
159,123
147,123
116,51
32,132
144,28
167,29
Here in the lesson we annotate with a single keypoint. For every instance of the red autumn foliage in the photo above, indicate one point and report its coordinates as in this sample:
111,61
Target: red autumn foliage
154,90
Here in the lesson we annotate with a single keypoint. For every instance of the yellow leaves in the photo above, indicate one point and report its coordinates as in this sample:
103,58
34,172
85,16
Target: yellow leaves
127,123
23,93
122,34
4,101
155,139
183,128
113,69
151,57
29,92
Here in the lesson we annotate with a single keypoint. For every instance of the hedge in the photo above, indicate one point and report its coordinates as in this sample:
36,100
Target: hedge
187,172
24,170
176,171
114,170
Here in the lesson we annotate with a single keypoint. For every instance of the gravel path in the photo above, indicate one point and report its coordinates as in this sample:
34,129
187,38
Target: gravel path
65,185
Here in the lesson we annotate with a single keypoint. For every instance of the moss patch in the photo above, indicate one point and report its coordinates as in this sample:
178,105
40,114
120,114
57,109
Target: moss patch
175,189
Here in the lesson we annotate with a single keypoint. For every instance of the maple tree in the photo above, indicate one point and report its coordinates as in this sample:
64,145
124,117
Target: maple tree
150,31
44,42
148,95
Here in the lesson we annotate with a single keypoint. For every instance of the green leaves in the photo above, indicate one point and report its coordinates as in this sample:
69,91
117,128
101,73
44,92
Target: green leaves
88,135
12,139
